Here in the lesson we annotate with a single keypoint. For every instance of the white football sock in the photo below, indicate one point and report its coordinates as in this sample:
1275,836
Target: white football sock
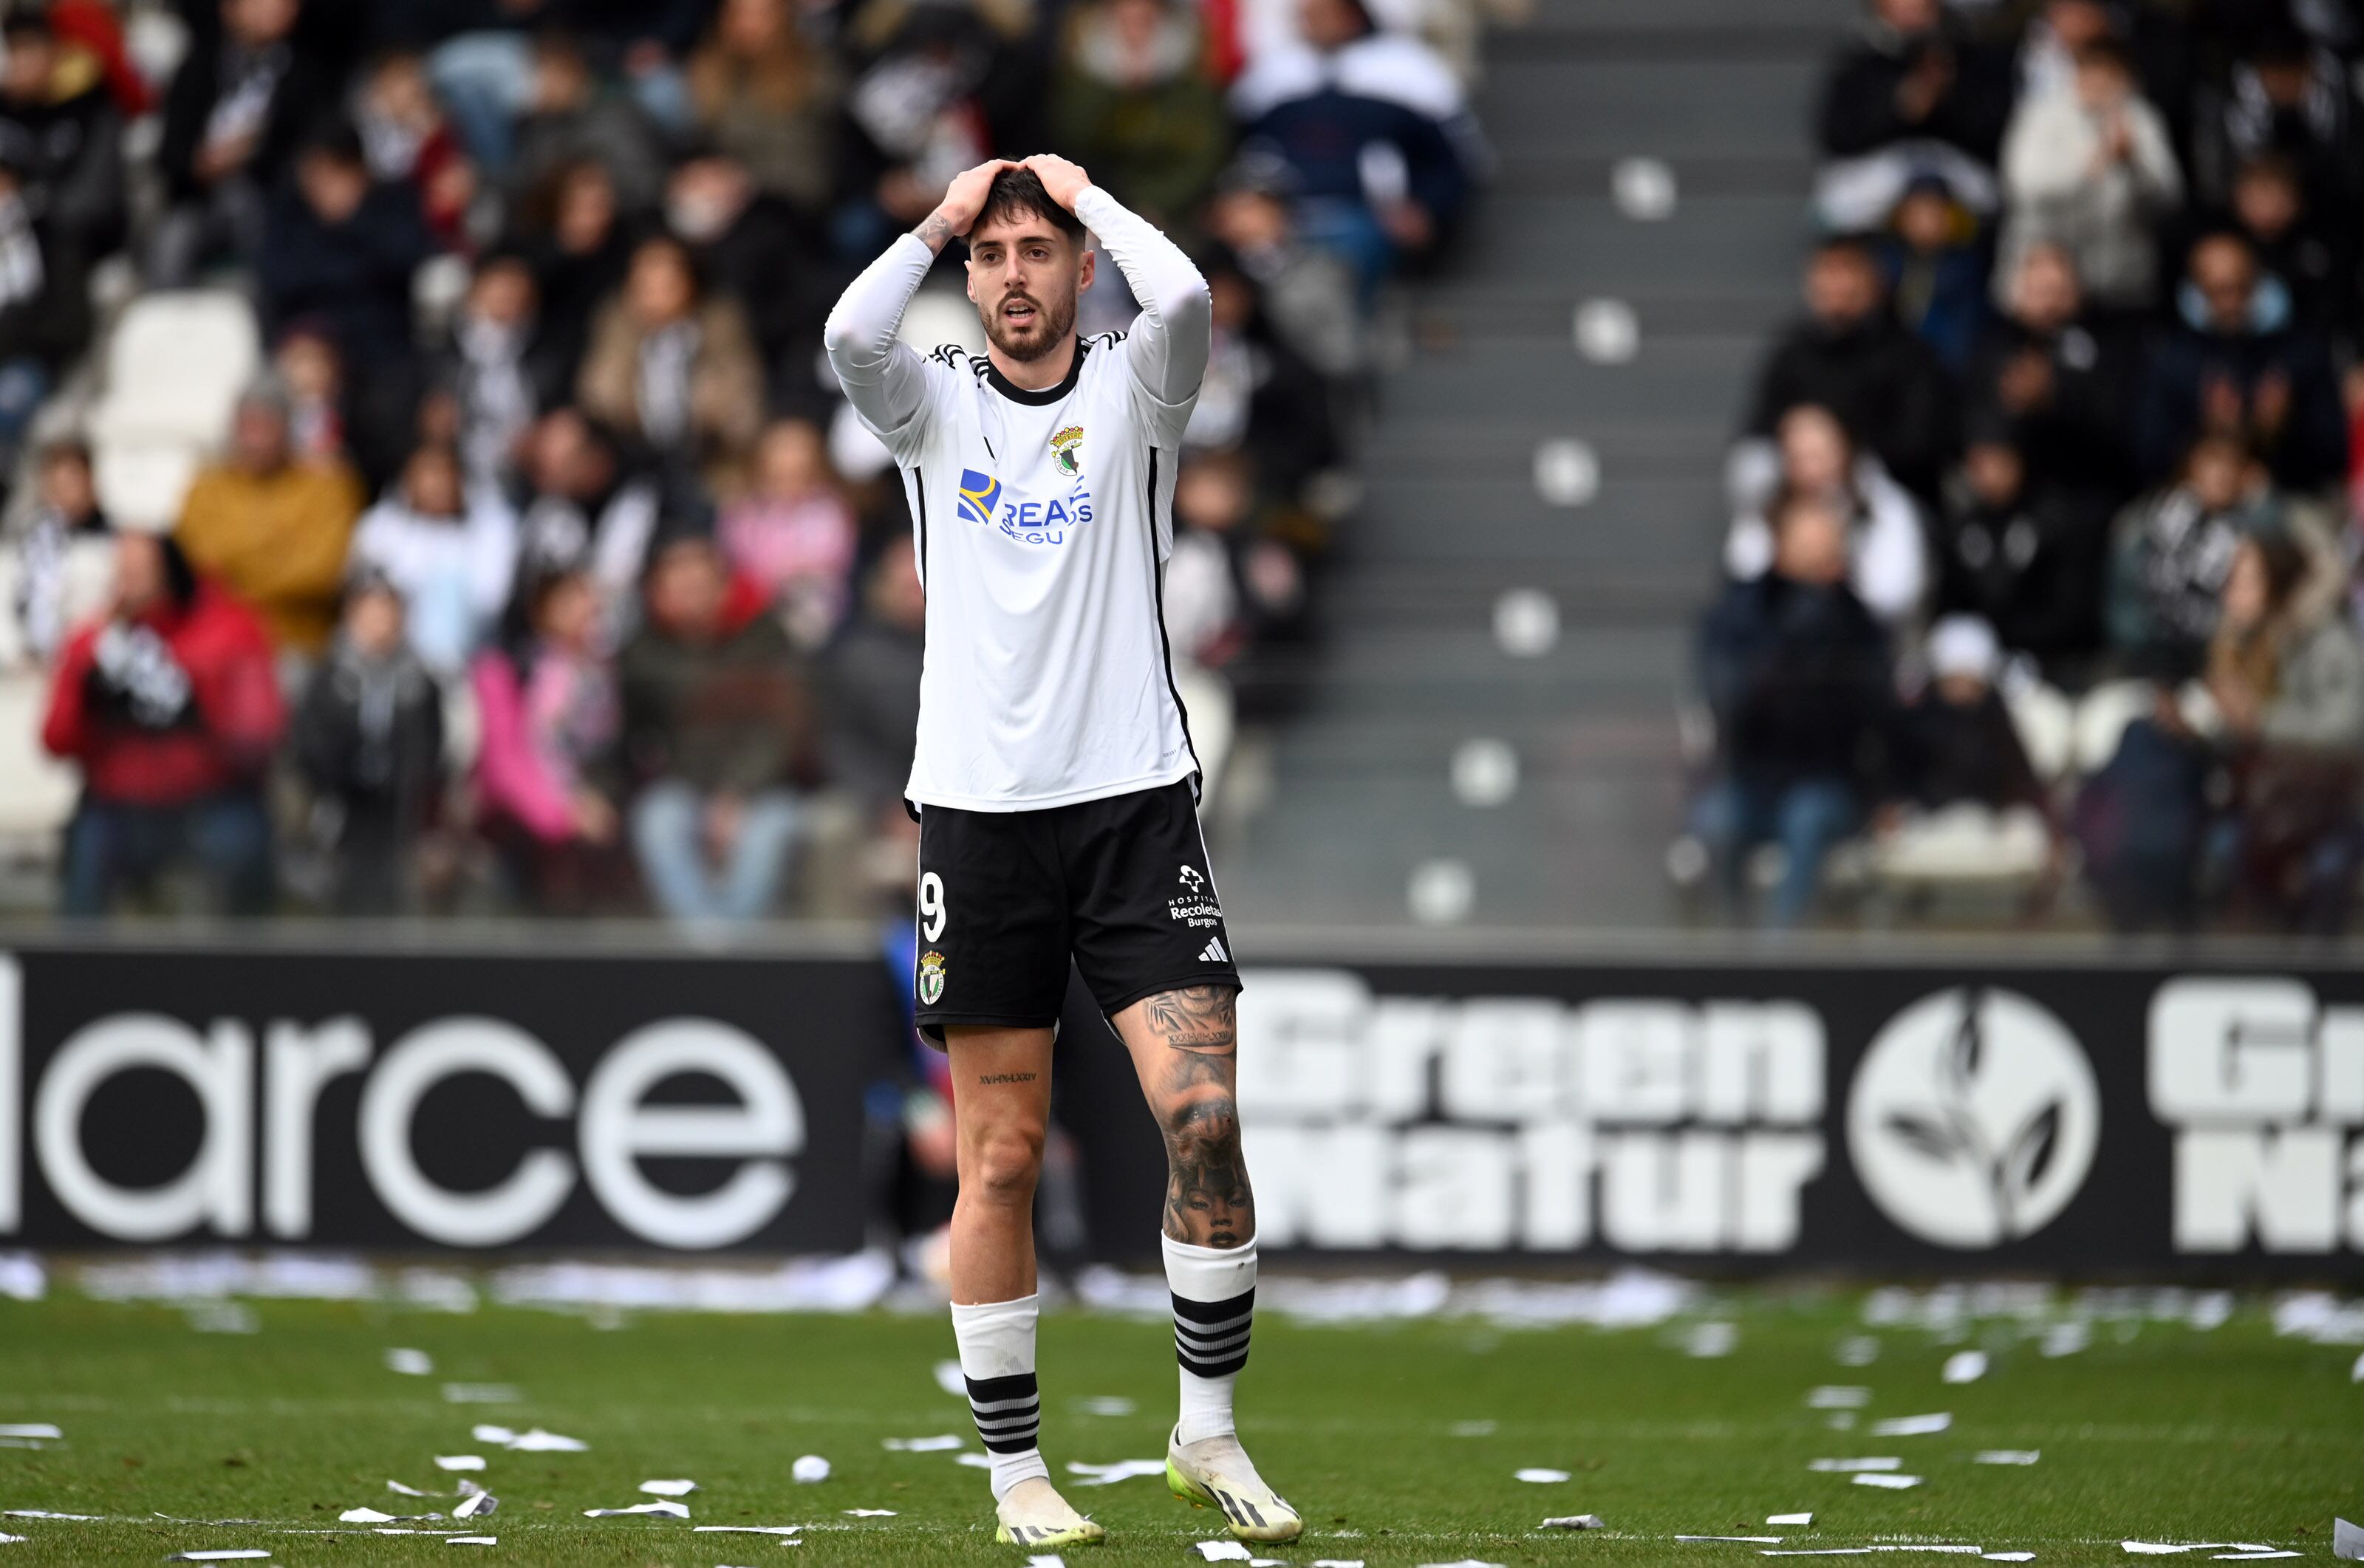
1214,1305
997,1358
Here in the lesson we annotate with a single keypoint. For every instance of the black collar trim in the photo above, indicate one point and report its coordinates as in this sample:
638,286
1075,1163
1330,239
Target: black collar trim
1049,394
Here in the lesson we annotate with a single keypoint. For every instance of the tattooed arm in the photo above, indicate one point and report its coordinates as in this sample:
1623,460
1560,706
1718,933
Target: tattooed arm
1185,1045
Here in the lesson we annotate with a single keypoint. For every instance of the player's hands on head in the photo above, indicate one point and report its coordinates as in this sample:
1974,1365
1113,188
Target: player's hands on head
964,197
1062,180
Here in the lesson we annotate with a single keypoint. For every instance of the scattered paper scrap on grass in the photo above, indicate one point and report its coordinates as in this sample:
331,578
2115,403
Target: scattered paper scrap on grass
472,1540
459,1461
377,1516
1744,1540
1223,1551
1464,1562
1109,1474
482,1394
2007,1456
1106,1405
31,1432
1805,1518
45,1514
1851,1466
7,1539
2173,1548
669,1510
2356,1372
974,1460
410,1363
540,1442
1913,1426
1894,1482
950,1378
2250,1556
400,1490
668,1488
2347,1541
220,1554
476,1506
809,1469
943,1443
1708,1341
1837,1397
2008,1556
1575,1521
1337,1563
745,1530
867,1513
1047,1560
1966,1366
1541,1476
1471,1428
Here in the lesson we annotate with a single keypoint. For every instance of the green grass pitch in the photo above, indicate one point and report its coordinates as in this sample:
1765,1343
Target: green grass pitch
2156,1430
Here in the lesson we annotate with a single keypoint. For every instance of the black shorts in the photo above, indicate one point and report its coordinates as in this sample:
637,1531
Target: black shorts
1007,898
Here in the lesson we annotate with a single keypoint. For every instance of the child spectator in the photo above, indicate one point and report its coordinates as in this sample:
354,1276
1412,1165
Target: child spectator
408,143
498,369
1956,742
368,738
545,765
792,534
717,730
448,550
171,706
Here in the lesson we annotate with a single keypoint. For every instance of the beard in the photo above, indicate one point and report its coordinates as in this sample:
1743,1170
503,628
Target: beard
1044,331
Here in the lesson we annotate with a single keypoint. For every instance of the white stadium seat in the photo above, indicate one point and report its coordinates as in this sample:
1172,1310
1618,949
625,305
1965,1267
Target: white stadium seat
174,369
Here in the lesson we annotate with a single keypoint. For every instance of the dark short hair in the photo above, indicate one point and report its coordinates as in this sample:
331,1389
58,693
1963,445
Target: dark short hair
1015,193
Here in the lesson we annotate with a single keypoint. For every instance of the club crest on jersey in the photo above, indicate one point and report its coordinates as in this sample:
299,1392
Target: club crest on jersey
932,979
979,493
1022,518
1067,451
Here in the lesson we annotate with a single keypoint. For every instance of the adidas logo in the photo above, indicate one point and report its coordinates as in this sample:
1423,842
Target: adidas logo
1214,953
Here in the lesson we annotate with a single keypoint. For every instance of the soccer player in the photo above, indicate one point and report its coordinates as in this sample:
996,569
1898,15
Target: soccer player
1055,784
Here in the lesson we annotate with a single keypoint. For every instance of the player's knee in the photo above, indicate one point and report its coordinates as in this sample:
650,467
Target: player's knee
1004,1163
1203,1125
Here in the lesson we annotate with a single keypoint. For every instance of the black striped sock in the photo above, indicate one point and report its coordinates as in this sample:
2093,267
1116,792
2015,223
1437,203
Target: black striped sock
1009,1411
1210,1337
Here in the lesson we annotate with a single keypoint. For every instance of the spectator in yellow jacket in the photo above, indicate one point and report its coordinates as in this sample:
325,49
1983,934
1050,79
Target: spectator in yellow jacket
271,528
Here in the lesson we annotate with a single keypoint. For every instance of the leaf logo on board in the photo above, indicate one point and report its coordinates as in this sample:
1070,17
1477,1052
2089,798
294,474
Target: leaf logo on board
1974,1118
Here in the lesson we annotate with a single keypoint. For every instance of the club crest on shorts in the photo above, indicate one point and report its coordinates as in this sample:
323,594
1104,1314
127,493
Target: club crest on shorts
931,978
1067,451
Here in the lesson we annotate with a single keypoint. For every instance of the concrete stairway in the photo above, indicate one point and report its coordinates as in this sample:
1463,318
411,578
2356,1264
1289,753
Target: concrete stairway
1358,791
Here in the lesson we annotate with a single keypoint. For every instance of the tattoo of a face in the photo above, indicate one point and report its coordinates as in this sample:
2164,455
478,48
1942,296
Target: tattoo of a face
1208,1201
1005,1077
1196,1017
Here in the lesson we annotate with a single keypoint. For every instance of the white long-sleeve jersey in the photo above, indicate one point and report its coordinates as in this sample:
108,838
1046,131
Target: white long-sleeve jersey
1043,520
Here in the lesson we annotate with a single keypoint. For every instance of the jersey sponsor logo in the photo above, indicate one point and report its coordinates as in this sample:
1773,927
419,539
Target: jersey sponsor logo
1067,451
931,978
1022,518
979,493
1195,905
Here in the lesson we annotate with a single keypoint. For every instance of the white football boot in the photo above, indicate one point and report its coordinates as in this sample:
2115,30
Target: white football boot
1033,1514
1216,1473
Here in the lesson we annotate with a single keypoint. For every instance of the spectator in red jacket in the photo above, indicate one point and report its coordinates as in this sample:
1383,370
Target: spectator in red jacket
171,706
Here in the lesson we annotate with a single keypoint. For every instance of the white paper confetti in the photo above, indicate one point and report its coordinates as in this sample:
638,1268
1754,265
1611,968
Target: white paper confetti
7,1539
1837,1397
46,1514
410,1363
1607,331
1109,1474
400,1490
809,1469
2347,1541
1048,1560
1485,774
1567,472
540,1442
1337,1563
482,1394
2066,1338
1913,1426
37,1431
1541,1476
1746,1540
472,1540
1856,1349
1709,1342
745,1530
669,1510
459,1461
2008,1556
1644,189
221,1554
1442,892
2169,1548
974,1461
867,1513
1966,1366
1805,1518
2007,1456
369,1516
1852,1466
2250,1556
1574,1521
1223,1551
668,1488
2356,1372
1464,1562
950,1379
1894,1483
476,1506
943,1443
1106,1405
491,1434
1526,623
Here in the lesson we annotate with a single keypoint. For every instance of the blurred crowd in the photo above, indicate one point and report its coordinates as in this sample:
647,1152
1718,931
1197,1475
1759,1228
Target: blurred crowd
538,565
2047,508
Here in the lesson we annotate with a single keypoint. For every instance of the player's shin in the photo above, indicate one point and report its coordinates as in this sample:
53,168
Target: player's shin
997,1358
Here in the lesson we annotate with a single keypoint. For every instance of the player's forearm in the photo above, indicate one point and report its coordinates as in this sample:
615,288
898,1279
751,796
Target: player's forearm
860,333
1170,289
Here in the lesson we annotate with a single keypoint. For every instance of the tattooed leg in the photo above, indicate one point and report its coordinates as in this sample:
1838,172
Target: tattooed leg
1185,1045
